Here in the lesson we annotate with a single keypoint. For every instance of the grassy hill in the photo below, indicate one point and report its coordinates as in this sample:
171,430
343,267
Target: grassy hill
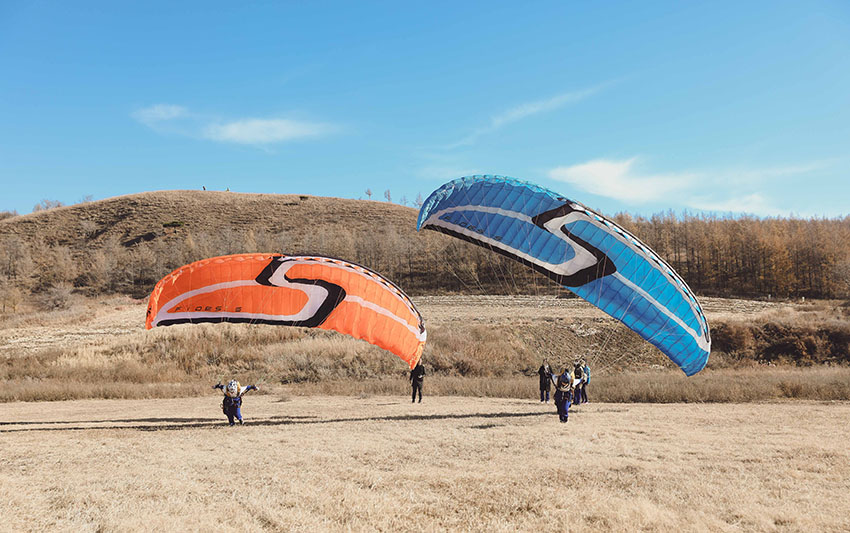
125,244
149,216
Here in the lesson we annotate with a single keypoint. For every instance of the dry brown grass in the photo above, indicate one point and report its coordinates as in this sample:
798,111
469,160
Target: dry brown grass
479,346
664,386
464,464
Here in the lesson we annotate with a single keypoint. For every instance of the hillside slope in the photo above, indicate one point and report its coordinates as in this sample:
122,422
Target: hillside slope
145,216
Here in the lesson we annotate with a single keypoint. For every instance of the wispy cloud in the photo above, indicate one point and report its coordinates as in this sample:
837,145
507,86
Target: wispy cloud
621,181
754,203
753,176
265,131
740,190
526,110
541,106
154,114
167,118
749,190
445,173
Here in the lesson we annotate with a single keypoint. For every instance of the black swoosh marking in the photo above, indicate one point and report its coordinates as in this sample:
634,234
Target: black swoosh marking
603,266
336,294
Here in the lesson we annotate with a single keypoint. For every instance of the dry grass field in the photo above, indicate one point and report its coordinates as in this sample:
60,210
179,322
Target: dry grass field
333,444
379,463
478,345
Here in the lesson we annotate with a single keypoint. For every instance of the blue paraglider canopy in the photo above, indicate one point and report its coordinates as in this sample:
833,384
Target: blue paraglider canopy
582,250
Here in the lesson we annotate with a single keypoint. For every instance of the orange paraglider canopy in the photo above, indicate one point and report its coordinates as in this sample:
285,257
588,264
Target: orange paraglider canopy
309,291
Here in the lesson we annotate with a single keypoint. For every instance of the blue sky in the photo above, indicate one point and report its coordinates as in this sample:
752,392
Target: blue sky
633,106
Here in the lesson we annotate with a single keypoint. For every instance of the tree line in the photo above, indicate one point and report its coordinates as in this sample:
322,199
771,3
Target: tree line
722,256
749,256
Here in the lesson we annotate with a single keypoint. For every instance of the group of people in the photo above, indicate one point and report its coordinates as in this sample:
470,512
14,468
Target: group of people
570,386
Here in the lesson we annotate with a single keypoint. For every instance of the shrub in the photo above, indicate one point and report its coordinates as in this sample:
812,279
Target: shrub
56,297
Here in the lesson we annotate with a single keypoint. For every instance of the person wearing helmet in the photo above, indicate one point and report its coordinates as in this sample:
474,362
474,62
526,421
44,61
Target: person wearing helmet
564,393
232,404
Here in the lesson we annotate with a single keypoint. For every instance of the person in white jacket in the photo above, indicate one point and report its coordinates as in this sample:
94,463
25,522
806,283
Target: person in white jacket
232,404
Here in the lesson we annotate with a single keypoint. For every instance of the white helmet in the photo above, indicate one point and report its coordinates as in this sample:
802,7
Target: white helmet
232,388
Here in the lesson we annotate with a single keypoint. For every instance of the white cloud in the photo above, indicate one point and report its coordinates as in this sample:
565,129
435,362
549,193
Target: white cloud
159,113
619,180
737,190
264,131
755,176
175,119
541,106
526,110
755,204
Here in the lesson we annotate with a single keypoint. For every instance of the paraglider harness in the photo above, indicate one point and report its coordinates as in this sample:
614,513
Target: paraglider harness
563,385
230,402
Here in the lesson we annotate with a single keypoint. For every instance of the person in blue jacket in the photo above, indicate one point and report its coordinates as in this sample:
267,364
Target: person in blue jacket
232,403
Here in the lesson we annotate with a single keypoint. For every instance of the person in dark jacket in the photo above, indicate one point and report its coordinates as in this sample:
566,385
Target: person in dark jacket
586,378
564,394
578,374
417,375
545,373
232,403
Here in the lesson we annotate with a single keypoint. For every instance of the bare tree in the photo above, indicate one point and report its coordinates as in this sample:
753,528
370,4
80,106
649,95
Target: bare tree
369,193
842,278
419,201
403,200
388,196
100,274
45,205
15,259
11,296
53,265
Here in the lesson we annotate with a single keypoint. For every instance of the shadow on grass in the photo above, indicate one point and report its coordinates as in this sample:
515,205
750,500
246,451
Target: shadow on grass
115,421
173,424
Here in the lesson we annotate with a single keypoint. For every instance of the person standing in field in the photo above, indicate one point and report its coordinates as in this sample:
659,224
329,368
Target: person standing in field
545,373
564,394
578,373
417,376
232,403
586,381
